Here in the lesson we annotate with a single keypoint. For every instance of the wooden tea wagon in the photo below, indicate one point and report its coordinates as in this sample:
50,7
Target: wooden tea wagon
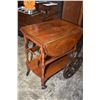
55,40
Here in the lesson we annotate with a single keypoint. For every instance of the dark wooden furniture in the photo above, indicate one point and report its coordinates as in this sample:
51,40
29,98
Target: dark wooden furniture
54,40
45,13
73,12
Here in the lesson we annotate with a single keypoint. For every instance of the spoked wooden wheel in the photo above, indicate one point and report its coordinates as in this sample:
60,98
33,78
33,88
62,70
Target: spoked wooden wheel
71,68
76,62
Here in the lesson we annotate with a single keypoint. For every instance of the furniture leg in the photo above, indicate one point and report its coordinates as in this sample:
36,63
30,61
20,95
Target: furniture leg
28,71
42,80
43,69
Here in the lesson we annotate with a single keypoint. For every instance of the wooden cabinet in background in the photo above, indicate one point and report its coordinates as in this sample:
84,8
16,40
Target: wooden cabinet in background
73,12
45,13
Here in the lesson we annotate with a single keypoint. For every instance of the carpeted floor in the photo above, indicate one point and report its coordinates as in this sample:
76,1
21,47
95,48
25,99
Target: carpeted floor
29,87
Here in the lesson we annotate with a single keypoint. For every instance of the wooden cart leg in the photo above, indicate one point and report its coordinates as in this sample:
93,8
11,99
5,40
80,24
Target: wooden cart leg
44,86
28,71
43,80
43,69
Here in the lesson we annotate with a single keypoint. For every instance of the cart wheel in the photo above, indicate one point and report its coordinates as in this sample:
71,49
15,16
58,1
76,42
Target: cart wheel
79,46
78,49
71,68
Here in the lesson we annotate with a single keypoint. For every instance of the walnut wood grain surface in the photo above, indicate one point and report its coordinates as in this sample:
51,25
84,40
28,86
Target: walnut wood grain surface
57,36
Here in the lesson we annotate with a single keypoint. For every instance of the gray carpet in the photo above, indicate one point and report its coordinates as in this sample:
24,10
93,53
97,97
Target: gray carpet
59,88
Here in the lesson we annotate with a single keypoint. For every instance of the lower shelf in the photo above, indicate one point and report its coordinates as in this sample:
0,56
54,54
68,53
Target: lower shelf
50,69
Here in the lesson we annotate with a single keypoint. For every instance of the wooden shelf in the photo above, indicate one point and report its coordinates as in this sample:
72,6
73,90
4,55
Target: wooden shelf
51,69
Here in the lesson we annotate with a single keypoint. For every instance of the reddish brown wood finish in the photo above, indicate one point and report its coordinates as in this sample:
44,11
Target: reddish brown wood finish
54,39
51,68
73,12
